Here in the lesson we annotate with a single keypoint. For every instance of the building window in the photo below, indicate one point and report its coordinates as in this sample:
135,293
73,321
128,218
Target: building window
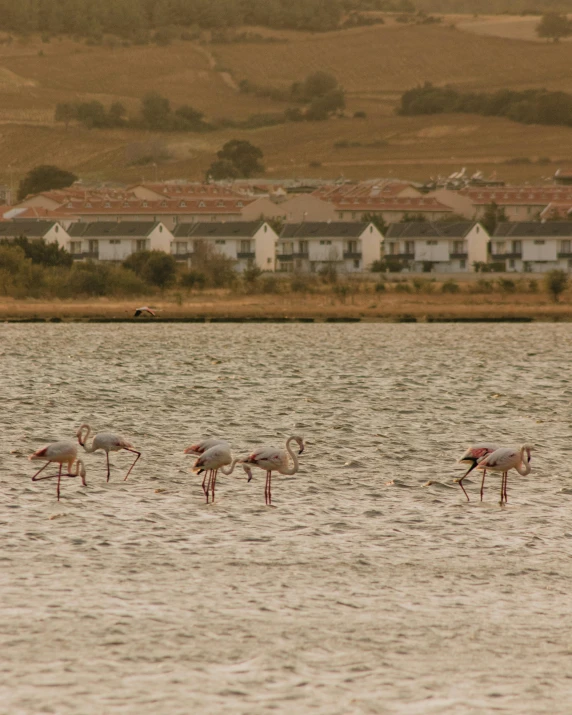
265,228
141,244
511,263
431,243
356,263
75,247
325,243
220,242
114,241
462,263
160,229
269,260
565,247
539,243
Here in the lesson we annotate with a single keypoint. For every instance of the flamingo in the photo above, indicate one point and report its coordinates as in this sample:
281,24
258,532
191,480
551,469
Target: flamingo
200,447
109,442
275,459
472,456
213,459
503,460
61,453
144,309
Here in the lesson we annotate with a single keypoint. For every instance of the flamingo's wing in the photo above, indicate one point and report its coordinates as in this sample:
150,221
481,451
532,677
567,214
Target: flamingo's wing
137,313
478,451
268,455
498,459
39,453
151,312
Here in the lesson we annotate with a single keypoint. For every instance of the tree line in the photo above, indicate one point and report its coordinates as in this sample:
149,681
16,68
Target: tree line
533,106
132,18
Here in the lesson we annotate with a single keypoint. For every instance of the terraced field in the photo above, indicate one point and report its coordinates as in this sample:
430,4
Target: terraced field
374,64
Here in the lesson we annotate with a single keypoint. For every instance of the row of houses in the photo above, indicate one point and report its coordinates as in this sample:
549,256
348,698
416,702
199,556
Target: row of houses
442,247
391,200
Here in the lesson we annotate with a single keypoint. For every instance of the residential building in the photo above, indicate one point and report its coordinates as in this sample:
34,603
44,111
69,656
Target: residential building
5,195
113,241
533,246
520,203
295,209
245,242
50,231
348,246
443,247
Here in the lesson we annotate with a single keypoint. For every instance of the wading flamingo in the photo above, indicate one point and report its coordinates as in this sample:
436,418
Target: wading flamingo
275,459
60,453
109,442
473,456
503,460
213,459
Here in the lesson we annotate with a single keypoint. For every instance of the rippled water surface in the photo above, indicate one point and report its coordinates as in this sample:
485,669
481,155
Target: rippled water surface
363,591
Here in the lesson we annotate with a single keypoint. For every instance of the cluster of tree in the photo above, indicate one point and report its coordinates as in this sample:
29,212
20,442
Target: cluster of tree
534,106
155,114
493,7
237,158
554,26
319,92
379,5
130,18
41,253
44,178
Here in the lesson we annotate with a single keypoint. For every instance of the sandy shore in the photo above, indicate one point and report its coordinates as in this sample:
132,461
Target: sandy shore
319,307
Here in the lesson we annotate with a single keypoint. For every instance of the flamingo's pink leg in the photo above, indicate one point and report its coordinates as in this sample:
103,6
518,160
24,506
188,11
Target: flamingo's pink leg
35,479
108,467
505,486
59,481
213,484
210,473
204,480
483,483
134,463
462,487
502,489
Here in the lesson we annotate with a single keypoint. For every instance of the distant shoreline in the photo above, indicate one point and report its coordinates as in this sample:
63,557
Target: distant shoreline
293,308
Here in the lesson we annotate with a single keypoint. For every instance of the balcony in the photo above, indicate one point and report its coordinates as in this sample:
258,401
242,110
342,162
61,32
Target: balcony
460,256
401,256
564,254
504,256
352,254
246,255
83,255
182,256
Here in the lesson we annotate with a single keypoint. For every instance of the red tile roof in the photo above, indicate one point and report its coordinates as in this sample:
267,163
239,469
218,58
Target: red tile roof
413,204
518,195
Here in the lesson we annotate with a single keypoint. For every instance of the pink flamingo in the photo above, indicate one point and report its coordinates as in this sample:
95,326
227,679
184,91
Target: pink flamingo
275,459
474,454
213,459
503,460
61,453
109,442
199,448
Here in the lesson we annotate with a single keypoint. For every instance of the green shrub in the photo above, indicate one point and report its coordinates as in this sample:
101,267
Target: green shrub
270,284
450,286
556,283
507,285
482,286
380,287
193,279
403,287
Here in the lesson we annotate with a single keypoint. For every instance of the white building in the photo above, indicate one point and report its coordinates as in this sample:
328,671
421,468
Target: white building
443,247
113,241
246,242
50,231
348,246
533,246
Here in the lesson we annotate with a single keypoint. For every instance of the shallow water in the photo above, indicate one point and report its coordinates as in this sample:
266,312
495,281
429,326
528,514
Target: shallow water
363,591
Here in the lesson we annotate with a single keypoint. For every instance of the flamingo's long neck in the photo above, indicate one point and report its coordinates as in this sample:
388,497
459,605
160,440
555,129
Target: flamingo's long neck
230,469
524,467
294,468
84,439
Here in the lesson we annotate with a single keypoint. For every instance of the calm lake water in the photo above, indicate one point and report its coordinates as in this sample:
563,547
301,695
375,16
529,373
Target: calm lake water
352,595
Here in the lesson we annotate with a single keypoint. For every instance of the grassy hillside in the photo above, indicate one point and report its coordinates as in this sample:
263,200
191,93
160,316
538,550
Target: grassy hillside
374,64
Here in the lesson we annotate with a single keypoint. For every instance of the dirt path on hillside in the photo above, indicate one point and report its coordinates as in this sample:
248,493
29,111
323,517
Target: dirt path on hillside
211,59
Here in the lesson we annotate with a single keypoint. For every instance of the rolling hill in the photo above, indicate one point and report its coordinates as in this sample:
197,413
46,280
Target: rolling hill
374,64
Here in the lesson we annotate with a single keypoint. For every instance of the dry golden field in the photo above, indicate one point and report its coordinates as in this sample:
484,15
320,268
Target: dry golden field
374,64
220,304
